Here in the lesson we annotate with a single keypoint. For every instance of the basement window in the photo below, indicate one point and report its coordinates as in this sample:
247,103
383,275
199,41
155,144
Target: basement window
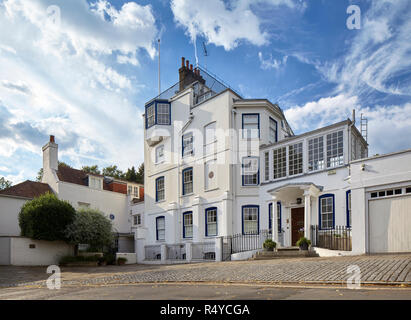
408,190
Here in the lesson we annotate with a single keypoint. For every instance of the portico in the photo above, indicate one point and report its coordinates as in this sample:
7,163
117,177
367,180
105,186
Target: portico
296,208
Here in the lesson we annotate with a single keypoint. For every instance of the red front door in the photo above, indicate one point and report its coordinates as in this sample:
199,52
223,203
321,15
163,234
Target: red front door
297,223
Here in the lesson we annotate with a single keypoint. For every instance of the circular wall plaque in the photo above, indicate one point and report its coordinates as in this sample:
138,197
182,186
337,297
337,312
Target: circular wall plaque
112,216
211,175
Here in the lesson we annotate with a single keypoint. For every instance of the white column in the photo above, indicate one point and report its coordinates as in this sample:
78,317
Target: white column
219,249
163,253
307,214
225,219
189,252
198,232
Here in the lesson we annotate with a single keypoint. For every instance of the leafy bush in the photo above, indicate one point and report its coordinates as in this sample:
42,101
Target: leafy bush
269,244
109,258
121,260
91,227
302,241
71,259
46,218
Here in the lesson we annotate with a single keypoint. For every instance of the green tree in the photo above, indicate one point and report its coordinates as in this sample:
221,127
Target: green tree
131,175
113,171
91,227
140,174
92,169
4,184
46,218
40,172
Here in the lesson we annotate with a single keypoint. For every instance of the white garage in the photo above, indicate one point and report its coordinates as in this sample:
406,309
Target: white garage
389,220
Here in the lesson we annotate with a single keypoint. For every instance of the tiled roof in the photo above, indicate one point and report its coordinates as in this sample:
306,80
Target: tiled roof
71,175
27,189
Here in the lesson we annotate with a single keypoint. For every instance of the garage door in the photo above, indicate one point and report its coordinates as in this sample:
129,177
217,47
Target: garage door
390,224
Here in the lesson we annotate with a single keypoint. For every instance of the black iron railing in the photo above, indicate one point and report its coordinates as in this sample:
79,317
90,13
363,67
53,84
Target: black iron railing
244,242
338,238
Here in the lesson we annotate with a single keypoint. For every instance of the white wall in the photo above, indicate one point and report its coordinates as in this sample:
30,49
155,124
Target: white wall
45,252
9,214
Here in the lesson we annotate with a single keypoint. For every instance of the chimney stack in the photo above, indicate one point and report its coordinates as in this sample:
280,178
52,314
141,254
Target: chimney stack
188,74
50,158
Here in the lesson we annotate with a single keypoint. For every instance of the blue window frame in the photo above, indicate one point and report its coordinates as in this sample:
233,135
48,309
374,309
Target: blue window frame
250,219
273,131
161,228
251,125
211,225
188,225
250,171
270,216
158,112
348,208
160,189
187,177
326,211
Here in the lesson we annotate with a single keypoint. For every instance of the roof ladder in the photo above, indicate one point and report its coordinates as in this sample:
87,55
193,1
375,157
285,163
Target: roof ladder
364,127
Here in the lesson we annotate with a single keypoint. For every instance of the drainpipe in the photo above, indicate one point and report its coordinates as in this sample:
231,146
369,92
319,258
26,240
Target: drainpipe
233,171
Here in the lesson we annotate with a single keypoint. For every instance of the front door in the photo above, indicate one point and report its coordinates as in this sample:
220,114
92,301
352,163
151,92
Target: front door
297,223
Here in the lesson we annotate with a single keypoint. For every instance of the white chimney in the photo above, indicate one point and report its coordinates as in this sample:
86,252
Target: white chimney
50,155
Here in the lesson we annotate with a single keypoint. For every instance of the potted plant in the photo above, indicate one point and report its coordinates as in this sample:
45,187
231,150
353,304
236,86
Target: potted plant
303,243
121,261
269,245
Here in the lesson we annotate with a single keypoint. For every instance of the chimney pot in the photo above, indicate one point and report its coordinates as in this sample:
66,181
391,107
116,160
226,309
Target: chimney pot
52,139
182,61
191,67
187,63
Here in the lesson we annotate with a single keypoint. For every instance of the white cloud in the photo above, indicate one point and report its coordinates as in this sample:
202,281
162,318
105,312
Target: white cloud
224,24
71,81
271,63
389,127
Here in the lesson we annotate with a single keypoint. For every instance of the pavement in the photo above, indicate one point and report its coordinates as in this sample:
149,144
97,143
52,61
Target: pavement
374,269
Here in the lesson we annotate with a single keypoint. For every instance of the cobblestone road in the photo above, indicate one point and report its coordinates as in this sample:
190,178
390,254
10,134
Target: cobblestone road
375,269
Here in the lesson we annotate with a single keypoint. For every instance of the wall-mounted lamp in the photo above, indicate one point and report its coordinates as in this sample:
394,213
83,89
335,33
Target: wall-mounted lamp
299,200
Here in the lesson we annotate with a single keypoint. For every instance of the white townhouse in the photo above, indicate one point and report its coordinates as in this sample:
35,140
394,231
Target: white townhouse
219,165
120,200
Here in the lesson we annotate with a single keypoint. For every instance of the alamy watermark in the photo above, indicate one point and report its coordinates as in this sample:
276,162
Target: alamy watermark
354,281
354,20
54,281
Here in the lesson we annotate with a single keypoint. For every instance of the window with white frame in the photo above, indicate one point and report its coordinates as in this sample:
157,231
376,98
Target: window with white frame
160,228
279,163
136,193
187,181
327,211
295,159
163,113
151,115
250,219
137,219
316,154
210,139
211,222
129,190
335,149
266,166
188,144
273,131
188,225
160,189
160,154
95,183
251,126
250,170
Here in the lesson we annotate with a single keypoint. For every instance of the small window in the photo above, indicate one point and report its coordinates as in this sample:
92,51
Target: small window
267,166
94,183
335,149
408,190
160,228
160,154
150,116
187,181
163,113
188,225
250,171
316,154
295,159
279,163
160,189
158,112
327,211
211,222
251,126
374,195
137,219
398,191
136,193
390,192
381,194
273,131
188,142
250,219
129,190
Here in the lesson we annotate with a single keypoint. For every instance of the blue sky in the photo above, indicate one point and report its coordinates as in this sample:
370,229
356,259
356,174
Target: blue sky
85,74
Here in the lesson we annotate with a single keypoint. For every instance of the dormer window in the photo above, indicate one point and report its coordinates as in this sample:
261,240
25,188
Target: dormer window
94,183
158,112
